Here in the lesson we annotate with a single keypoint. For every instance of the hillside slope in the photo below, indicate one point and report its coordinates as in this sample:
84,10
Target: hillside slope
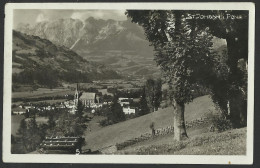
231,142
37,60
129,129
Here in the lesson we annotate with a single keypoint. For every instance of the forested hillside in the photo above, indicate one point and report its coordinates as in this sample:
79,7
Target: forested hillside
39,61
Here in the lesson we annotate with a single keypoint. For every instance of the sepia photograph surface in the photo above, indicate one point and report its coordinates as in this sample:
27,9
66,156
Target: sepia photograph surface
129,83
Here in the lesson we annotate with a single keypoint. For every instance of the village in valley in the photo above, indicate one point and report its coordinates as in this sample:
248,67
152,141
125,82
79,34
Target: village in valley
92,100
98,94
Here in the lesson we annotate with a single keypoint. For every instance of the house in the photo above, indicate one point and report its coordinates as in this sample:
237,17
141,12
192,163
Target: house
68,104
124,101
95,105
128,110
28,107
107,102
19,111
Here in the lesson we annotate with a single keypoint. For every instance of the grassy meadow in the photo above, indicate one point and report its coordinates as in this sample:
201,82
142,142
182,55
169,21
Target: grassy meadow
232,142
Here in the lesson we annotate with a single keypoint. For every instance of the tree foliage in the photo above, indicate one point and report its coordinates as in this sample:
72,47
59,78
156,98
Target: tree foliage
80,108
67,125
153,93
29,135
180,47
143,107
51,121
183,46
117,114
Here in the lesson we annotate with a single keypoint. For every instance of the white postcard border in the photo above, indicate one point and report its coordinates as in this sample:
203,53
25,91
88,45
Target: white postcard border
156,159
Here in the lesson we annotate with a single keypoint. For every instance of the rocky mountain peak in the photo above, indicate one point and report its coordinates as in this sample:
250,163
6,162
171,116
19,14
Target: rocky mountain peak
88,35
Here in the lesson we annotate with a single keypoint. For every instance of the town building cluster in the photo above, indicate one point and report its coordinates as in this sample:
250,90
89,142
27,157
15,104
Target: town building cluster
89,100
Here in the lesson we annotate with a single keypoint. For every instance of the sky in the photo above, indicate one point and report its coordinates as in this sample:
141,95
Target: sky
32,16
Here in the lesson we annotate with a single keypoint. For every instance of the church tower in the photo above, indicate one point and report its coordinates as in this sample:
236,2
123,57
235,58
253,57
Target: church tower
76,98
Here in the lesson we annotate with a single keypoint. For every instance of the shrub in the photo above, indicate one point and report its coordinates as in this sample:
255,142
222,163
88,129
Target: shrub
220,123
104,123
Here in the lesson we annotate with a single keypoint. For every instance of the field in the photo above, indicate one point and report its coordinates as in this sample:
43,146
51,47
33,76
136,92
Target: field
42,92
104,91
126,63
51,101
132,128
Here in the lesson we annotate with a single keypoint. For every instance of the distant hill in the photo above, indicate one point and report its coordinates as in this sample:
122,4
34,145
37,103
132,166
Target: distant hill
39,61
98,40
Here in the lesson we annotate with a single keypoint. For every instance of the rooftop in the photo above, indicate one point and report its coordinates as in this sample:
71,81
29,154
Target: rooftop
88,95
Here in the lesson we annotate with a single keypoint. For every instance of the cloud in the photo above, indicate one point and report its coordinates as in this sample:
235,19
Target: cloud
120,13
77,15
99,14
41,17
32,16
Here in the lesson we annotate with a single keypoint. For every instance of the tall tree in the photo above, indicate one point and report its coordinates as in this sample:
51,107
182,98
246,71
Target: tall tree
117,114
29,134
22,134
51,121
234,28
33,136
153,92
183,53
80,108
143,107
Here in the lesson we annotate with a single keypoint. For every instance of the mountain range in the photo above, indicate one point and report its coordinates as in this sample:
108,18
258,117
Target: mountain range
120,45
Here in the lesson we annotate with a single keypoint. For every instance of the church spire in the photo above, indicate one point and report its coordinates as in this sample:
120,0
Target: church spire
76,99
77,88
76,96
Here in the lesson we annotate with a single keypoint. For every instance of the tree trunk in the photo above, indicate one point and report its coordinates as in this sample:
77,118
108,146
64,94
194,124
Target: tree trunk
238,109
237,104
233,55
183,127
179,123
